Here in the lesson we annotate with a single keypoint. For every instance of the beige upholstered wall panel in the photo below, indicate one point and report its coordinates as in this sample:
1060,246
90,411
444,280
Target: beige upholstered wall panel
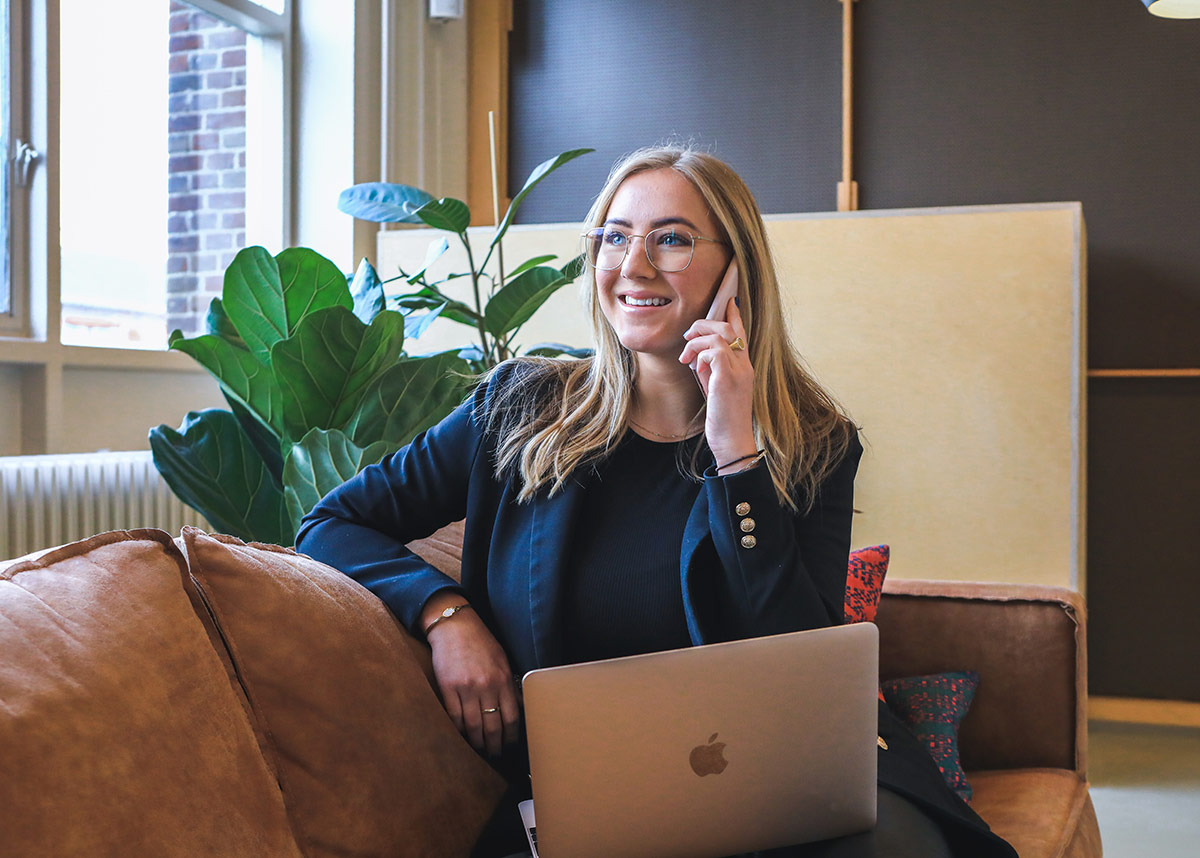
10,411
954,336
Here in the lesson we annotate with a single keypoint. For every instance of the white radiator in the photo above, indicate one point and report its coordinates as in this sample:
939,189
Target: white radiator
51,500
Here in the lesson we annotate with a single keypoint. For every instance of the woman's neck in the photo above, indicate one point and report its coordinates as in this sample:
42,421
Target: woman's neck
666,398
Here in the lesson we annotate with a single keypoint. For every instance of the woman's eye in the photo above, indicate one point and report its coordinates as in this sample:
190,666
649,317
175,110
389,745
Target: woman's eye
674,239
614,238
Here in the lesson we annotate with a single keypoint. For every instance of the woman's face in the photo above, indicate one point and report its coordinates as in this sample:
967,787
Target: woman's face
650,309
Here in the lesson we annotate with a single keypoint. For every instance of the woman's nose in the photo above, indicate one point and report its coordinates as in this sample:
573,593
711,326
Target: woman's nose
636,264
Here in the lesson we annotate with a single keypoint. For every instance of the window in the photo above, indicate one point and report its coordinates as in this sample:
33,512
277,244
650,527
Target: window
170,159
6,147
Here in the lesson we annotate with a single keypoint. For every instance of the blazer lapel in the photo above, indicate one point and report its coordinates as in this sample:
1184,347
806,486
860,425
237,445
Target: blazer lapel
551,531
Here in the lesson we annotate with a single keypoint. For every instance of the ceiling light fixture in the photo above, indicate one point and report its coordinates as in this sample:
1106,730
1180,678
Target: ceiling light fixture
1174,8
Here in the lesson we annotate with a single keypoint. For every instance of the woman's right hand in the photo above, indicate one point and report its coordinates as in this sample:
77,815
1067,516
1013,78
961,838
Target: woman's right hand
473,675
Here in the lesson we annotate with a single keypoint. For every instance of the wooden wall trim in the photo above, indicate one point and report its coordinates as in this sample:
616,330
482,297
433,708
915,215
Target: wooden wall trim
847,188
488,24
1187,372
1131,710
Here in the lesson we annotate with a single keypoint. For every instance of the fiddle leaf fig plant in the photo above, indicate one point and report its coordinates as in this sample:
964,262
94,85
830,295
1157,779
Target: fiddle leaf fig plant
317,391
501,303
312,363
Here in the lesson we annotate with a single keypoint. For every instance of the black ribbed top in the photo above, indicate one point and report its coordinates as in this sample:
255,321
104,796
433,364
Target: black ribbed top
622,594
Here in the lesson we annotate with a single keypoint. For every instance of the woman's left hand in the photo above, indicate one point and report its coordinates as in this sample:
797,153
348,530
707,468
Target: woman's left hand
727,379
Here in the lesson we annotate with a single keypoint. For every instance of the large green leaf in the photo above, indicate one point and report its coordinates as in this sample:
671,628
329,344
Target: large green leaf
411,396
574,268
218,324
540,172
512,306
262,437
382,202
429,297
319,463
327,365
265,298
447,213
435,250
366,290
211,465
415,325
530,263
310,283
241,374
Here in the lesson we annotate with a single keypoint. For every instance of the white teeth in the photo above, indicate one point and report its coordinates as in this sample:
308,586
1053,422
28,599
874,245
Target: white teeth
645,302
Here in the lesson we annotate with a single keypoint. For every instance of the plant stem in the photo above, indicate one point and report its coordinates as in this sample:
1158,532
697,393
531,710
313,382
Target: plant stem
501,346
483,342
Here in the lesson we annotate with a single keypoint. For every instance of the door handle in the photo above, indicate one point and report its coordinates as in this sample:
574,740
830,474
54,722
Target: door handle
23,160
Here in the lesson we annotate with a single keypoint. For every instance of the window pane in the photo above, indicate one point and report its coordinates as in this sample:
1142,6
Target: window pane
155,142
5,148
275,6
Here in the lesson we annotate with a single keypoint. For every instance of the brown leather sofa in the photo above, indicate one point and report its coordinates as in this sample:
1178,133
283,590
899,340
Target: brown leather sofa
1024,741
204,697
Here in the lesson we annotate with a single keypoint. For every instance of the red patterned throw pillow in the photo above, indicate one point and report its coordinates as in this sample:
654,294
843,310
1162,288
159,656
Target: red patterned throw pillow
864,582
933,707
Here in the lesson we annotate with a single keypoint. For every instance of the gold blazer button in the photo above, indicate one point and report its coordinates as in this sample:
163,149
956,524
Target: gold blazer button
742,509
747,525
749,542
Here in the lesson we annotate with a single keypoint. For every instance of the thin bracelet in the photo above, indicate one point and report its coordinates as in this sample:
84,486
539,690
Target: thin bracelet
445,615
755,455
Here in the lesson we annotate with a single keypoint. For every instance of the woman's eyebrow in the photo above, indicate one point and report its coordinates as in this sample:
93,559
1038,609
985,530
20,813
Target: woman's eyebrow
662,221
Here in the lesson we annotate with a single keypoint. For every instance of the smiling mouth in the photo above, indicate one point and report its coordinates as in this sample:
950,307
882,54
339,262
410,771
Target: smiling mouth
629,301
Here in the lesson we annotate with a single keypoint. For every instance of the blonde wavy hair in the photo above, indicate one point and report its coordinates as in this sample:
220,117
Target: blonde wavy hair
564,414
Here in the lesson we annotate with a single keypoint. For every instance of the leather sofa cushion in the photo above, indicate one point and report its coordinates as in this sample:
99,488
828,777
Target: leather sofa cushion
1043,813
1025,642
368,762
121,734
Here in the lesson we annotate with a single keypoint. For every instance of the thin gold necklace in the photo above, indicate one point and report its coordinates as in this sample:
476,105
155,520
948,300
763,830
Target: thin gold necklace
686,434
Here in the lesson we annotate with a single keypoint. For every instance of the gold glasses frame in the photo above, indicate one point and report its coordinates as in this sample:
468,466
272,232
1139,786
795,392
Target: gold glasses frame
587,239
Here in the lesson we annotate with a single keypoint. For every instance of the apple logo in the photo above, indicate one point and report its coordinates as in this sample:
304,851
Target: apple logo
709,759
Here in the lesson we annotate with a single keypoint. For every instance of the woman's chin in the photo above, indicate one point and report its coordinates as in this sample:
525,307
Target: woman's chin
642,346
655,353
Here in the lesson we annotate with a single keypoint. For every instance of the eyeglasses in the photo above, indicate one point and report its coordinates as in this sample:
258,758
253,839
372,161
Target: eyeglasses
669,249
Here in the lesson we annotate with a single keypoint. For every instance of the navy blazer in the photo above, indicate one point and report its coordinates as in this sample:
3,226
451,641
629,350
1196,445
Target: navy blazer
515,555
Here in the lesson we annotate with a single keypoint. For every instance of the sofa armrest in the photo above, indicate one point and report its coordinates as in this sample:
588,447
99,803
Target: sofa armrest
1028,644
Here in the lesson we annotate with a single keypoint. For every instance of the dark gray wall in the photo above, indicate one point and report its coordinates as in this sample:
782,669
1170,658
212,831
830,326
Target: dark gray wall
749,81
956,104
1144,512
1015,101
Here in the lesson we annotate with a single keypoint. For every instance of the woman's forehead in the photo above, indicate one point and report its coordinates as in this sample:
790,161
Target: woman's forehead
654,197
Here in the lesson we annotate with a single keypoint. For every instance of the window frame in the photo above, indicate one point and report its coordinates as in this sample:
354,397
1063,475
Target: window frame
15,321
35,275
265,24
325,78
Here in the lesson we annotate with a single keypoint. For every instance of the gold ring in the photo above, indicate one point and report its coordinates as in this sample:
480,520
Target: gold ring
738,345
490,710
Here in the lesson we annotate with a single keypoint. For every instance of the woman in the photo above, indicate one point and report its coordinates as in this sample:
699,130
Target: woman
688,484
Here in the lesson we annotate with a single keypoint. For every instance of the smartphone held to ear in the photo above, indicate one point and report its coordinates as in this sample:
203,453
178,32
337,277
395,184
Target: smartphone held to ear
726,292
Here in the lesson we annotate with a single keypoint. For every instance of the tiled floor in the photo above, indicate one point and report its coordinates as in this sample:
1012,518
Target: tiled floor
1145,783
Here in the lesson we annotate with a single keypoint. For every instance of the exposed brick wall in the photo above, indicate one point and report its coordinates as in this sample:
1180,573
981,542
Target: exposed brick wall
206,190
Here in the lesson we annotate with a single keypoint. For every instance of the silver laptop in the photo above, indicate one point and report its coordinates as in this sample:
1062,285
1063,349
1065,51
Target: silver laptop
706,751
